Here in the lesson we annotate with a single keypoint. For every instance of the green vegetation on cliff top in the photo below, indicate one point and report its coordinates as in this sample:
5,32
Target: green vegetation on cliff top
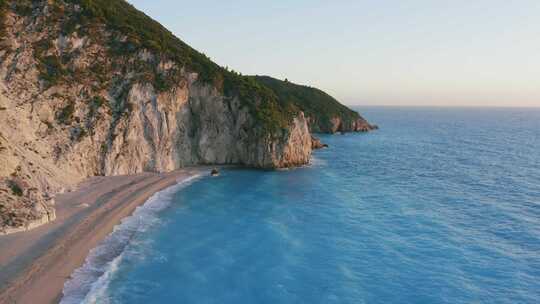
316,104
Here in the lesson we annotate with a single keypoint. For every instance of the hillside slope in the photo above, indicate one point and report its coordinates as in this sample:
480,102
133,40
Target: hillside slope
96,87
324,113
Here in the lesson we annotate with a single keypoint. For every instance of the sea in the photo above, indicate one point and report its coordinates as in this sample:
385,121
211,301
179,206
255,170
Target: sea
440,205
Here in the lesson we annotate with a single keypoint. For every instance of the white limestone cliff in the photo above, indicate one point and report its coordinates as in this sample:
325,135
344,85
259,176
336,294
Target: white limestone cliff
53,135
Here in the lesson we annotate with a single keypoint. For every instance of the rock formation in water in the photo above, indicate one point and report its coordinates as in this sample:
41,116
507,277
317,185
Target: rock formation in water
95,87
317,144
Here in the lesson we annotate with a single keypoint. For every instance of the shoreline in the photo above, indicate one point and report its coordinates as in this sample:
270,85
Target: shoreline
35,264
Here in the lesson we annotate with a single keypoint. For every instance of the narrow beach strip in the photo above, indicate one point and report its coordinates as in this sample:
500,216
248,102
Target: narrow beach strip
34,265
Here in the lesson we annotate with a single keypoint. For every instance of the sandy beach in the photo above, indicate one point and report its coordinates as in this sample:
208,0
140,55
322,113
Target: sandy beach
34,265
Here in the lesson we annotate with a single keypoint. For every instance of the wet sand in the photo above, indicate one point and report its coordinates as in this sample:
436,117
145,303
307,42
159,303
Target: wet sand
35,264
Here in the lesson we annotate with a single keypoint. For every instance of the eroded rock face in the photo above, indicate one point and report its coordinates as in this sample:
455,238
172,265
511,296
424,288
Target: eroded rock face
193,124
103,117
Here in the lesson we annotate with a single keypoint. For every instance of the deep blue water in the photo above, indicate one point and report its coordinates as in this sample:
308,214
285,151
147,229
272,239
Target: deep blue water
438,206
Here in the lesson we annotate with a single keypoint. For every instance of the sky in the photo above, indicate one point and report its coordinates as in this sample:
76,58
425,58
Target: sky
376,52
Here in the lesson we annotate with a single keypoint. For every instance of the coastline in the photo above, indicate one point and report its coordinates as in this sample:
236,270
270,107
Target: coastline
35,264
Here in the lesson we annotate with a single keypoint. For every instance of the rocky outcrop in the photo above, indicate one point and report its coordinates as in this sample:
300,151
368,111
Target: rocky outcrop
72,107
317,144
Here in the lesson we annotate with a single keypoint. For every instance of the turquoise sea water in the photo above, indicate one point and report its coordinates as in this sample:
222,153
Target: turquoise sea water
438,206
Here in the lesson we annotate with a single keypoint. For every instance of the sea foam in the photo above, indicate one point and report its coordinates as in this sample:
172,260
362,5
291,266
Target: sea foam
88,284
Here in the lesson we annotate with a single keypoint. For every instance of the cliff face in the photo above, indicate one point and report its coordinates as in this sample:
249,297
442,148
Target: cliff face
324,113
79,99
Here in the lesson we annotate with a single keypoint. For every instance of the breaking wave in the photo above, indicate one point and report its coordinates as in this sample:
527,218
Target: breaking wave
89,282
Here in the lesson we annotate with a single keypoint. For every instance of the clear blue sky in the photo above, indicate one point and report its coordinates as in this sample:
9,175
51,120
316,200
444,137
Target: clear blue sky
414,52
